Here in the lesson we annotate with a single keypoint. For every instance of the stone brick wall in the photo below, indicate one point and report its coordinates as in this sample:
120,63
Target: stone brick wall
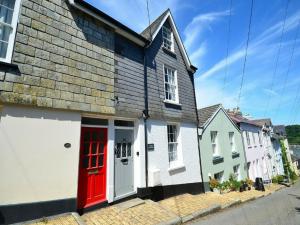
64,60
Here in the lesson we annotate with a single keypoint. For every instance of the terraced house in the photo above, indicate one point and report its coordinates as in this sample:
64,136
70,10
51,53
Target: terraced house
91,111
221,146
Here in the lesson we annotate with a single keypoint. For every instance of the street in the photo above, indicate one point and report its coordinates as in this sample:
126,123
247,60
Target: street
280,208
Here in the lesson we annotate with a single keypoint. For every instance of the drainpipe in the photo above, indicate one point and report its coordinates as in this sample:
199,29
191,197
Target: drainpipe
195,102
146,114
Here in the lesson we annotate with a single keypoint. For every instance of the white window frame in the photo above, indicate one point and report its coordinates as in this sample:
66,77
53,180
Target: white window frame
232,141
236,171
176,100
176,144
11,40
165,30
214,143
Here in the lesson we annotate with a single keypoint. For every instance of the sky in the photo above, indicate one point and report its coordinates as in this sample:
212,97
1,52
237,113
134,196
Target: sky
215,33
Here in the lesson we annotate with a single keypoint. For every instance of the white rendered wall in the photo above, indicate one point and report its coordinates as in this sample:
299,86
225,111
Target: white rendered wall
255,151
34,164
188,167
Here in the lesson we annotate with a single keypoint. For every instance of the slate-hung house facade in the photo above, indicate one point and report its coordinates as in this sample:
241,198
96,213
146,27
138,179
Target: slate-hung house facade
91,111
221,146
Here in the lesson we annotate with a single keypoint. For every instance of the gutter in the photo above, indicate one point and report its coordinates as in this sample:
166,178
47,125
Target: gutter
109,21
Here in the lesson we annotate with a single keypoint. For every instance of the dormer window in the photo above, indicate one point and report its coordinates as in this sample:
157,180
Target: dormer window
168,41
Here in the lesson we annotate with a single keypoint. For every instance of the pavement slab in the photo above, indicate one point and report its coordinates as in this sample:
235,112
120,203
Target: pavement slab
148,213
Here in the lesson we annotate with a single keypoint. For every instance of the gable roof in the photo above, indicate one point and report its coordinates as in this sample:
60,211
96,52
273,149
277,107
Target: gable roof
152,30
206,113
147,33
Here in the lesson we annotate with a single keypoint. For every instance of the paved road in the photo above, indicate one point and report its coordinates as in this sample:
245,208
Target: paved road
280,208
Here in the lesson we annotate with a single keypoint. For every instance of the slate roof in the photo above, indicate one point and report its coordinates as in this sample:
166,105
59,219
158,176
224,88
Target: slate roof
206,113
237,118
154,25
263,122
280,130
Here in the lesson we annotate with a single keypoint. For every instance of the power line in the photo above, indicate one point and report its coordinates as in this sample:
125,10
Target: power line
149,21
227,50
288,69
246,54
277,57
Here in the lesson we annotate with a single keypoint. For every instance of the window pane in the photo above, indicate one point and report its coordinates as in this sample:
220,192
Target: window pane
85,162
8,3
128,149
6,10
94,148
86,148
3,49
118,150
124,150
101,148
4,32
94,161
100,163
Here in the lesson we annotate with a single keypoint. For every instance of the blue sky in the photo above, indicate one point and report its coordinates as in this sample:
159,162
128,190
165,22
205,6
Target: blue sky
203,26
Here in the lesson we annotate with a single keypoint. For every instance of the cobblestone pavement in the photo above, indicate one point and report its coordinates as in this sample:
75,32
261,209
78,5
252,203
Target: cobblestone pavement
168,211
146,213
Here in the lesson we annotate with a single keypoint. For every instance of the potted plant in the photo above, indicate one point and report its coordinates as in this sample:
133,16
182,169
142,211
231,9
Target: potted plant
249,182
214,185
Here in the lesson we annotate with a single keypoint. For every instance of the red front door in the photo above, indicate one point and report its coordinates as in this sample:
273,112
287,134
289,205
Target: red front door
92,167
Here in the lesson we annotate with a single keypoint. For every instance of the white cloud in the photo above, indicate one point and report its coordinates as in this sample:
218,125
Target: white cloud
194,29
271,92
257,45
199,53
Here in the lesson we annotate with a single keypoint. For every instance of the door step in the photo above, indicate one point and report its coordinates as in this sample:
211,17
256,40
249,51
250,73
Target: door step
129,204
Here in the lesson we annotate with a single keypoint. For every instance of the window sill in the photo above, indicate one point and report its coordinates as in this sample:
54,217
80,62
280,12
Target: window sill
8,65
169,52
217,159
171,102
235,155
176,166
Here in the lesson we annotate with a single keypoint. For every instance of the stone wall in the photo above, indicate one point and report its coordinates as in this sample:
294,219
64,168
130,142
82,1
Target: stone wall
64,60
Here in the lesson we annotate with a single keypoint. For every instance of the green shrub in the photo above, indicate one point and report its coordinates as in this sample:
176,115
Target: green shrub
274,180
235,185
280,178
293,176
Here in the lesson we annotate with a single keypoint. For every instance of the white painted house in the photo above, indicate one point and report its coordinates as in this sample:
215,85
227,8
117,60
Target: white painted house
90,111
